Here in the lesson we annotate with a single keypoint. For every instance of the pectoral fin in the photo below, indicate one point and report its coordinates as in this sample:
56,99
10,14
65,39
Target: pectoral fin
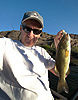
56,71
68,71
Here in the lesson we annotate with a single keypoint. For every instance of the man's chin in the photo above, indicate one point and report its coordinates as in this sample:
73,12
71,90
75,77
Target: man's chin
29,44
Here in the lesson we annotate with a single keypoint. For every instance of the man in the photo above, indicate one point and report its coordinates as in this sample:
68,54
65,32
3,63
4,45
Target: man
23,66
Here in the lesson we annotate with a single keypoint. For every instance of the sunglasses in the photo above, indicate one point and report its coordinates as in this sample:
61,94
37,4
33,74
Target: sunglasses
28,30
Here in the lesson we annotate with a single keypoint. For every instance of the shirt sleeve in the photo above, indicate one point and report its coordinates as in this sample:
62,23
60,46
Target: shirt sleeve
2,48
49,61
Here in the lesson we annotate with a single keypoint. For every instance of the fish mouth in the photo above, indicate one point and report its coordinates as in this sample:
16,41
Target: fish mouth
68,37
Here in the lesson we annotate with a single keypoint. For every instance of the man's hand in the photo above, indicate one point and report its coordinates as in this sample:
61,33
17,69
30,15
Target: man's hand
58,37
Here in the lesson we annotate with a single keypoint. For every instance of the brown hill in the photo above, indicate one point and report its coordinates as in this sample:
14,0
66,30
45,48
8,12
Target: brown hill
47,41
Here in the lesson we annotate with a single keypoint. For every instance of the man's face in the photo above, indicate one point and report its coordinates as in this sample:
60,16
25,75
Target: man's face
29,38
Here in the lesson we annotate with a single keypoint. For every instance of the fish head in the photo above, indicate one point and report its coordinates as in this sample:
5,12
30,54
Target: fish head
65,41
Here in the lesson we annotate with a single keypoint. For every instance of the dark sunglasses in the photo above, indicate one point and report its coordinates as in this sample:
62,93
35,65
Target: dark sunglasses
28,30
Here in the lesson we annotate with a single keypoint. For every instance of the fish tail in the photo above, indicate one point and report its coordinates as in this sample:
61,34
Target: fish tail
62,86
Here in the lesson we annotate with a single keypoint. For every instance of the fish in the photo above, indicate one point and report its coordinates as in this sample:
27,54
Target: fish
62,62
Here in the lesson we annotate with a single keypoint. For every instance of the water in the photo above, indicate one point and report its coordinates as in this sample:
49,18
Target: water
72,81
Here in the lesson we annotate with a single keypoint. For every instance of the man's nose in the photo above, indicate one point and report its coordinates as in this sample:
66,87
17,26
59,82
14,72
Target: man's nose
30,34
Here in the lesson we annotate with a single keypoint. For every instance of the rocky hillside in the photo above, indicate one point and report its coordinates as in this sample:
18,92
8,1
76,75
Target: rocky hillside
47,41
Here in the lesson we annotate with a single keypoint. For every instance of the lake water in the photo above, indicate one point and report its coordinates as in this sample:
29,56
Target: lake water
72,81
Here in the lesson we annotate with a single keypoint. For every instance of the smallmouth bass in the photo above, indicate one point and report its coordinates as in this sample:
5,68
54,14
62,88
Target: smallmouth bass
62,62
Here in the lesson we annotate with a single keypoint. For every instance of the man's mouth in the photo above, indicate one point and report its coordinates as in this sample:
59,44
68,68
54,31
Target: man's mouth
29,39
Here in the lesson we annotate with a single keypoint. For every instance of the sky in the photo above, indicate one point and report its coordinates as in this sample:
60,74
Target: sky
57,14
